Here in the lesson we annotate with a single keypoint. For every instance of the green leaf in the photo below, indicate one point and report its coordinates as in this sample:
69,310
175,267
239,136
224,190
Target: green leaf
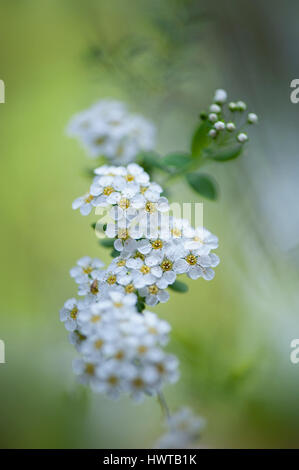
177,160
200,138
225,154
179,286
203,184
93,225
114,253
107,242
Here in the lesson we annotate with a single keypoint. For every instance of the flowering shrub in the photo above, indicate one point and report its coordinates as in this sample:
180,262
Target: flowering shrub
121,345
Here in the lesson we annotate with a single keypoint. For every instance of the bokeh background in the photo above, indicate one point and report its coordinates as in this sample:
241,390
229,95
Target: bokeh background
232,335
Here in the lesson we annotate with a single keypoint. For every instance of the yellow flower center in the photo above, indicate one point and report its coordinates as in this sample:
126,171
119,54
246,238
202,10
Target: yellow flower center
191,259
89,369
108,190
130,288
124,203
143,189
119,355
121,263
157,244
123,233
160,368
98,344
138,382
95,318
87,270
142,349
130,177
118,304
111,279
150,207
145,269
113,380
100,140
153,289
166,265
152,330
89,198
73,313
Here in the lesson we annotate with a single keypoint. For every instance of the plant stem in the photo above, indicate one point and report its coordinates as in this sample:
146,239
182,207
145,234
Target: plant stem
163,404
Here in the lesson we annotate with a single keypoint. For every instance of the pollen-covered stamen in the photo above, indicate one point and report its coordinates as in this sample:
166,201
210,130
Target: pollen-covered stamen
138,382
87,270
89,198
111,279
123,233
124,203
89,369
145,269
121,263
153,289
157,244
108,190
94,288
150,207
166,265
95,318
130,177
98,344
191,259
73,313
130,289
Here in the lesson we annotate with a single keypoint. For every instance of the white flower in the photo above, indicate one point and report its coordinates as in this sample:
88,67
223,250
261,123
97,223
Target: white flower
201,239
183,430
69,314
219,125
230,126
85,369
86,266
153,294
196,265
84,203
108,129
109,378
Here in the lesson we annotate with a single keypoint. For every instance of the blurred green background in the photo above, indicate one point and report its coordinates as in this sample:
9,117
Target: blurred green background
232,335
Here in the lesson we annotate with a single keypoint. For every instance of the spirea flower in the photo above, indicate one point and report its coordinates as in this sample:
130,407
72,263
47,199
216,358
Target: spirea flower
183,430
109,129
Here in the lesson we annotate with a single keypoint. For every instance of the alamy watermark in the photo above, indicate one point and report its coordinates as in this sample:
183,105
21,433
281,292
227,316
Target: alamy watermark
2,91
2,352
294,355
294,96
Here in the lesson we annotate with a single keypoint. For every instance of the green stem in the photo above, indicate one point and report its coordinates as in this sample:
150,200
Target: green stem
163,404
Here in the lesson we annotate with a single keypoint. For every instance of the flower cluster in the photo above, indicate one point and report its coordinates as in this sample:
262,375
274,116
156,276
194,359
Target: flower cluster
108,129
224,118
121,350
183,430
154,247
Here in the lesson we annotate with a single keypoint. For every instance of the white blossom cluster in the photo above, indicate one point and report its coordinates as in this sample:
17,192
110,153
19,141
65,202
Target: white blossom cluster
154,247
108,129
183,430
223,124
121,349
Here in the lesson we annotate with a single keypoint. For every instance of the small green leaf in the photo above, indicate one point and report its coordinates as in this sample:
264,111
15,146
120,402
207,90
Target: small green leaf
93,225
203,184
179,286
177,160
114,253
107,242
225,154
200,138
